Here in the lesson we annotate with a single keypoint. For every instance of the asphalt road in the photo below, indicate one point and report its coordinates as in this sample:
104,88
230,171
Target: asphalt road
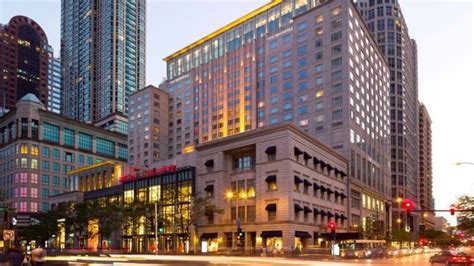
415,260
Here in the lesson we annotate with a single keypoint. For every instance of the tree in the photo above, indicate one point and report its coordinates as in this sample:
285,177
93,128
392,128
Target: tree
400,235
466,219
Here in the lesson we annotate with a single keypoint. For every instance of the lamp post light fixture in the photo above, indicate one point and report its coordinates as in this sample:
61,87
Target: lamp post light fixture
461,163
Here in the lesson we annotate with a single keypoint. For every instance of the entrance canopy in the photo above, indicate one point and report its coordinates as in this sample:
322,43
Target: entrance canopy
271,234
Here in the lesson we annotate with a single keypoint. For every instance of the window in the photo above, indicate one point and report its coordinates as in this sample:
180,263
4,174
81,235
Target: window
273,44
45,179
303,110
336,62
271,215
23,162
251,213
23,192
50,132
56,167
105,147
45,165
243,163
68,157
318,68
44,206
319,94
34,178
34,192
302,50
85,141
24,127
23,148
34,150
318,80
336,36
250,188
122,151
56,181
337,114
335,11
45,151
45,193
56,154
302,26
68,137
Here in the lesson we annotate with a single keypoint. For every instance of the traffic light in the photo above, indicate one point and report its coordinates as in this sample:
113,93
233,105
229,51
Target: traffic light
332,226
161,228
452,210
408,205
240,237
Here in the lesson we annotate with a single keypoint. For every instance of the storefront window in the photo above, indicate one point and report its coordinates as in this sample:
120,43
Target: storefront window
154,193
129,196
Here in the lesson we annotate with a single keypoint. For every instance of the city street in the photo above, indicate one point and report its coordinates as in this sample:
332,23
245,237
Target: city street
418,260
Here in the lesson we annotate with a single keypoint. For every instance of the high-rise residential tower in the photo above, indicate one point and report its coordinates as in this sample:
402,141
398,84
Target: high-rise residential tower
103,59
54,82
313,63
425,167
389,29
23,61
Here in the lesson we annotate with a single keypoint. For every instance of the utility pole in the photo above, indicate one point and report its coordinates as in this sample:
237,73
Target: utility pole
156,228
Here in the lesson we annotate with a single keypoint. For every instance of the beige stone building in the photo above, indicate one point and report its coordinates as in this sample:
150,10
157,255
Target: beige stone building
278,183
147,126
37,150
425,195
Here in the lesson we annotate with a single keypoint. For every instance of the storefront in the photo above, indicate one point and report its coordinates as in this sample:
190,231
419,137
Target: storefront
209,242
302,239
272,239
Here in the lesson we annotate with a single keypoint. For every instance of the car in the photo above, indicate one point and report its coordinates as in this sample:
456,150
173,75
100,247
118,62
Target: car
452,257
379,252
393,252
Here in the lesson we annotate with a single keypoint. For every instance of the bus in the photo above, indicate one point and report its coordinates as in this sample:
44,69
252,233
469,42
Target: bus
362,248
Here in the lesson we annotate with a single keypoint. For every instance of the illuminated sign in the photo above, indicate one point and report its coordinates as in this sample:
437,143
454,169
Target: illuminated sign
148,173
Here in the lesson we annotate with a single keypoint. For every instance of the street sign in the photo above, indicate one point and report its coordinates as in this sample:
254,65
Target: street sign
8,235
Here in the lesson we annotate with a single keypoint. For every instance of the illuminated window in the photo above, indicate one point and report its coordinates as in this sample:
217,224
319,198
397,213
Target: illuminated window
34,178
129,196
23,206
35,150
34,207
319,18
23,162
34,163
34,192
335,11
319,94
23,192
250,188
154,193
24,148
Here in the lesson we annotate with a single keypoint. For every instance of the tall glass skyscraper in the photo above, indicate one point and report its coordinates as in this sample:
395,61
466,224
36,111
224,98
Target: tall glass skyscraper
54,82
386,23
103,56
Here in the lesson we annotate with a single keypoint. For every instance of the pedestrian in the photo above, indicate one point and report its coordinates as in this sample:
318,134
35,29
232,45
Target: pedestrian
37,256
14,257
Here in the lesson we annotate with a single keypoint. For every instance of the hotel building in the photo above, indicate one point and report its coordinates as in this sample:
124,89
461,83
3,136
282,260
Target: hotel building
280,185
388,27
313,63
38,148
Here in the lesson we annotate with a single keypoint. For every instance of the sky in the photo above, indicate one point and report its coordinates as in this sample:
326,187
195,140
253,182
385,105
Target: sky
443,31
